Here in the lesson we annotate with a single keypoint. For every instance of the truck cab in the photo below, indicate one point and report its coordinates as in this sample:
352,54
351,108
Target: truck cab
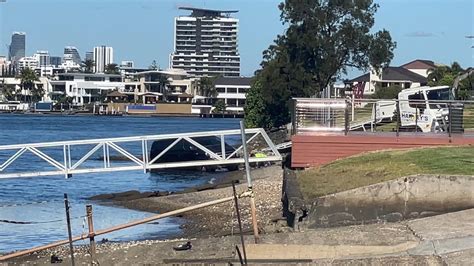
425,108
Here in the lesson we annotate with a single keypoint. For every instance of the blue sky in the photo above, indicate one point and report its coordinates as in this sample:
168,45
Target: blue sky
142,30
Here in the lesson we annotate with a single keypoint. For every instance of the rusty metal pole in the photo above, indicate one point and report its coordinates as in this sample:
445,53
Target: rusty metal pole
68,219
253,210
90,224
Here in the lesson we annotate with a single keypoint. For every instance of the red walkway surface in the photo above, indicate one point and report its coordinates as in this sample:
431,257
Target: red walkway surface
318,149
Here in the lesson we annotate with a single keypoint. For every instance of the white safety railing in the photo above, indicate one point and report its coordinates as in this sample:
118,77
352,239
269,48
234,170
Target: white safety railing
71,156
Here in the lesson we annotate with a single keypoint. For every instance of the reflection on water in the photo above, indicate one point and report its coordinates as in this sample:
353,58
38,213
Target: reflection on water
40,199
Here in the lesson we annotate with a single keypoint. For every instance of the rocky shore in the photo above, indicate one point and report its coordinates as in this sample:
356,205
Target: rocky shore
218,220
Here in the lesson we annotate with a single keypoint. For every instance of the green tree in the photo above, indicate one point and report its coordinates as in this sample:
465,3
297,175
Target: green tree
206,88
153,65
112,69
454,76
219,107
163,83
28,79
387,93
88,66
256,114
324,38
7,91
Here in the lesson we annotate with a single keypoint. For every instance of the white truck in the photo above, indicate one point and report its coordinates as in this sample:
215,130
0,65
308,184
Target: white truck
422,109
425,108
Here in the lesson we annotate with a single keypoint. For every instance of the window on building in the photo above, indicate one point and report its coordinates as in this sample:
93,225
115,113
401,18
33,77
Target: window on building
92,78
231,102
220,90
231,90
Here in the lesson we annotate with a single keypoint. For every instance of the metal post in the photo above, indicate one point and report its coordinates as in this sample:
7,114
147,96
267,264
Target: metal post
416,118
398,115
236,201
346,119
66,167
68,220
294,116
91,232
249,182
450,118
375,117
353,106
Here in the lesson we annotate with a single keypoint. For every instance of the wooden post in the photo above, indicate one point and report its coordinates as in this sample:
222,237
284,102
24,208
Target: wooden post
236,201
253,210
91,232
68,219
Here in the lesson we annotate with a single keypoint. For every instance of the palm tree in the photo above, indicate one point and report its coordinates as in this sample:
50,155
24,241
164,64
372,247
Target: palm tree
111,69
163,83
88,66
436,74
28,79
206,87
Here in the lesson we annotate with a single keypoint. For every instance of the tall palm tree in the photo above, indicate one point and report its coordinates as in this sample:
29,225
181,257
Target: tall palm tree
111,69
88,66
163,83
206,87
28,79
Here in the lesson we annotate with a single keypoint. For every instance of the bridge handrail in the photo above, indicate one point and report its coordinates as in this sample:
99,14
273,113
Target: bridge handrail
127,139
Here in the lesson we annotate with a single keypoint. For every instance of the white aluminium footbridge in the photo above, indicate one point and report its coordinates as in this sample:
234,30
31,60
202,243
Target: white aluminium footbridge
128,153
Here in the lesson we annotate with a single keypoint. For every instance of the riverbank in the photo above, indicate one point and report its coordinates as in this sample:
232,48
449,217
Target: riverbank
218,220
441,240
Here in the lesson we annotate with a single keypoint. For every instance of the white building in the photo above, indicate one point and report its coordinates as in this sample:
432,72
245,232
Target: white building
85,88
127,64
73,53
27,62
412,74
103,55
43,58
23,95
205,43
232,90
179,85
69,64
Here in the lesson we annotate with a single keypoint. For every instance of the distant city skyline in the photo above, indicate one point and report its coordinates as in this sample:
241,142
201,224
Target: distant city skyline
142,30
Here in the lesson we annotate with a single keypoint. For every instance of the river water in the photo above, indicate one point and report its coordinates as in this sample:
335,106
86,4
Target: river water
39,200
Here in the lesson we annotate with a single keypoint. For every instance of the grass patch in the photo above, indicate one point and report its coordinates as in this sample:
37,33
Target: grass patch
375,167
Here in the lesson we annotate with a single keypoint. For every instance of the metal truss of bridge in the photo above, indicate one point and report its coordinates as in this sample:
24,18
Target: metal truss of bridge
81,156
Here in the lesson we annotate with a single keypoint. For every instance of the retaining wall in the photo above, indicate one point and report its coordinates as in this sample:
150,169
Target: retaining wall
404,198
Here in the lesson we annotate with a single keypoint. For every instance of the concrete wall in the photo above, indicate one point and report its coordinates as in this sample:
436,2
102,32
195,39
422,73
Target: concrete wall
404,198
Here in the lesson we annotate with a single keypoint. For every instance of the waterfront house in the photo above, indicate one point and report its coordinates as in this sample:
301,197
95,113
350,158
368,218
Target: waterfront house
231,90
87,88
409,75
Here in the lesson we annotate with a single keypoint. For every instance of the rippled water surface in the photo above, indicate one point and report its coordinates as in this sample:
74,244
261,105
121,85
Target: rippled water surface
40,199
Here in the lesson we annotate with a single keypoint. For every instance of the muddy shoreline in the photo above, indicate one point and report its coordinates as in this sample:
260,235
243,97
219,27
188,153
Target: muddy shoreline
218,220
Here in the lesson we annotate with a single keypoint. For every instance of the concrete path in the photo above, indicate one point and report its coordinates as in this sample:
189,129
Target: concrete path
447,238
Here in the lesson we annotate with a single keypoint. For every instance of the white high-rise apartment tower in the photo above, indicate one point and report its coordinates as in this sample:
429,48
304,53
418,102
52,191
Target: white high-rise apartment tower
103,55
205,43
